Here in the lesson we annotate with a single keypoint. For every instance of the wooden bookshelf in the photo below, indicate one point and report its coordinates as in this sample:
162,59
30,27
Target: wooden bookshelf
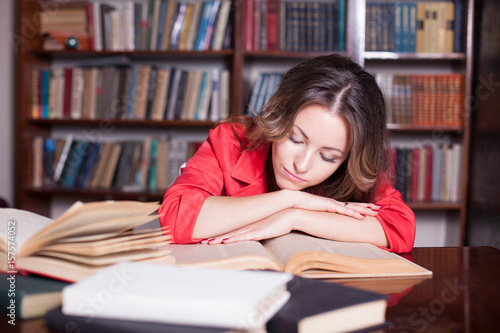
243,64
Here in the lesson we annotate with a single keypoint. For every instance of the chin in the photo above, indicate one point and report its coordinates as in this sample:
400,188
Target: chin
290,186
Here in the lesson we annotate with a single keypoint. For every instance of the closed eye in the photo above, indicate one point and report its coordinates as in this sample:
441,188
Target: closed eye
329,160
294,140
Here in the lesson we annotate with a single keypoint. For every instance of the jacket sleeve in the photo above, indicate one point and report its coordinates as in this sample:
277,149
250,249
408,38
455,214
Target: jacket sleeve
200,178
397,220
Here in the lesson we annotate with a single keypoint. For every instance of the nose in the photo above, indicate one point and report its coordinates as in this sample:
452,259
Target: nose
302,162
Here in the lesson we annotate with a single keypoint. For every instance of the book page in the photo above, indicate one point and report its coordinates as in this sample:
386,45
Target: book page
26,225
310,256
240,255
284,247
91,218
72,271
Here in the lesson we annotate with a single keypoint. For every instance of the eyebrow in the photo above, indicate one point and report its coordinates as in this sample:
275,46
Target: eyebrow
328,148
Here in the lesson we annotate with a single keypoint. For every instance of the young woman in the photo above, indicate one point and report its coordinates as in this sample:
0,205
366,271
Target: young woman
312,161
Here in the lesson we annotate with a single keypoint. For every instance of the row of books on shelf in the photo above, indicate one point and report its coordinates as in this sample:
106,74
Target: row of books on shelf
155,25
423,99
312,26
428,27
150,165
132,92
264,88
430,173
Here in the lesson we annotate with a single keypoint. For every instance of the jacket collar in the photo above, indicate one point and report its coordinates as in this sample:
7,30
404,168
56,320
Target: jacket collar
251,165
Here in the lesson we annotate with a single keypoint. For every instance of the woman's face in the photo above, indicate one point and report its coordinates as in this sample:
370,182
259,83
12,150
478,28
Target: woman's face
317,146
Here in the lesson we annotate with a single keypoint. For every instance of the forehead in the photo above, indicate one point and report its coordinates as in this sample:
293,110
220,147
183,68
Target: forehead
322,125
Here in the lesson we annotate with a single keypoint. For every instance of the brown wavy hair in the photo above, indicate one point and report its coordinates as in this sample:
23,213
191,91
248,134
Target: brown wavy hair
344,87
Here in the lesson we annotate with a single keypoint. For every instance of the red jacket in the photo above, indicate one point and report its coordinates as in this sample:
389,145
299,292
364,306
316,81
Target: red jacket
220,167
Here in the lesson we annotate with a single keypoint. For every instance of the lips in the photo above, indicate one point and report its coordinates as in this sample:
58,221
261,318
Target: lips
293,177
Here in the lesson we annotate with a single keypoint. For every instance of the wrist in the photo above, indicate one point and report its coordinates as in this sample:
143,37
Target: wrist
296,218
291,198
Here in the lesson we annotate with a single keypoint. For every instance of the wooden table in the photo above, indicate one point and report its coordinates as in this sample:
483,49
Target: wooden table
463,294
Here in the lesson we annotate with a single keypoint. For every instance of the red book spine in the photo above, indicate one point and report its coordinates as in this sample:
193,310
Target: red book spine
40,95
428,172
68,79
90,26
256,25
249,25
414,174
272,24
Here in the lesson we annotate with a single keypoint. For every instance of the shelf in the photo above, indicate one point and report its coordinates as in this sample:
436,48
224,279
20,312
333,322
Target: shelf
123,123
107,194
423,128
286,54
434,205
70,54
413,56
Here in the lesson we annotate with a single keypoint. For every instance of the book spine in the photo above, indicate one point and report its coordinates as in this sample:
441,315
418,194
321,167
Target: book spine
459,26
248,25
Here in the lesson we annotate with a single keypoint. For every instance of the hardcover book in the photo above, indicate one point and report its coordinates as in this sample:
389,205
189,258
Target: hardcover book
299,254
84,239
181,295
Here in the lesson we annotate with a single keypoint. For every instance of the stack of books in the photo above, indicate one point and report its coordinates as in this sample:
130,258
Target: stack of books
295,26
130,92
154,25
425,26
423,99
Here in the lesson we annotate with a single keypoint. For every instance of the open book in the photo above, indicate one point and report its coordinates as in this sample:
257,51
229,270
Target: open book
84,239
302,255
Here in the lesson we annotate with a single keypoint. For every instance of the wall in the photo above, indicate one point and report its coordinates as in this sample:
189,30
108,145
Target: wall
7,91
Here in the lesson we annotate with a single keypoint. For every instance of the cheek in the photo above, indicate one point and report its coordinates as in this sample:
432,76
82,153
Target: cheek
324,171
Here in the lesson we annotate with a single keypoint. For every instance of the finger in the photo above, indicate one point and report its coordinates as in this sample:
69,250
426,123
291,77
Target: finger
350,211
362,208
239,238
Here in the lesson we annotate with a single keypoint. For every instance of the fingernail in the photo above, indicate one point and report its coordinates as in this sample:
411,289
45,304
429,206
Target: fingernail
362,215
225,239
211,239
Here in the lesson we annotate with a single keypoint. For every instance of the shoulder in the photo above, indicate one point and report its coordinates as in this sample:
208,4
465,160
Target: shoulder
227,134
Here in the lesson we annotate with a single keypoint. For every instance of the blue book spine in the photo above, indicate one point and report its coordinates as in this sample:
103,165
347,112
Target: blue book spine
412,31
45,94
341,25
200,39
152,179
161,23
214,10
458,37
129,110
203,85
398,27
49,149
87,165
74,163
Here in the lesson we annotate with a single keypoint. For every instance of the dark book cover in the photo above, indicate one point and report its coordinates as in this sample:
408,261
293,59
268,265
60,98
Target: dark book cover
32,295
58,321
315,298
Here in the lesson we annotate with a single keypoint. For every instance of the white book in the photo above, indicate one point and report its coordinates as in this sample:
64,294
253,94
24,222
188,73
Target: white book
76,93
179,295
220,26
128,33
224,93
215,105
96,13
456,184
437,161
